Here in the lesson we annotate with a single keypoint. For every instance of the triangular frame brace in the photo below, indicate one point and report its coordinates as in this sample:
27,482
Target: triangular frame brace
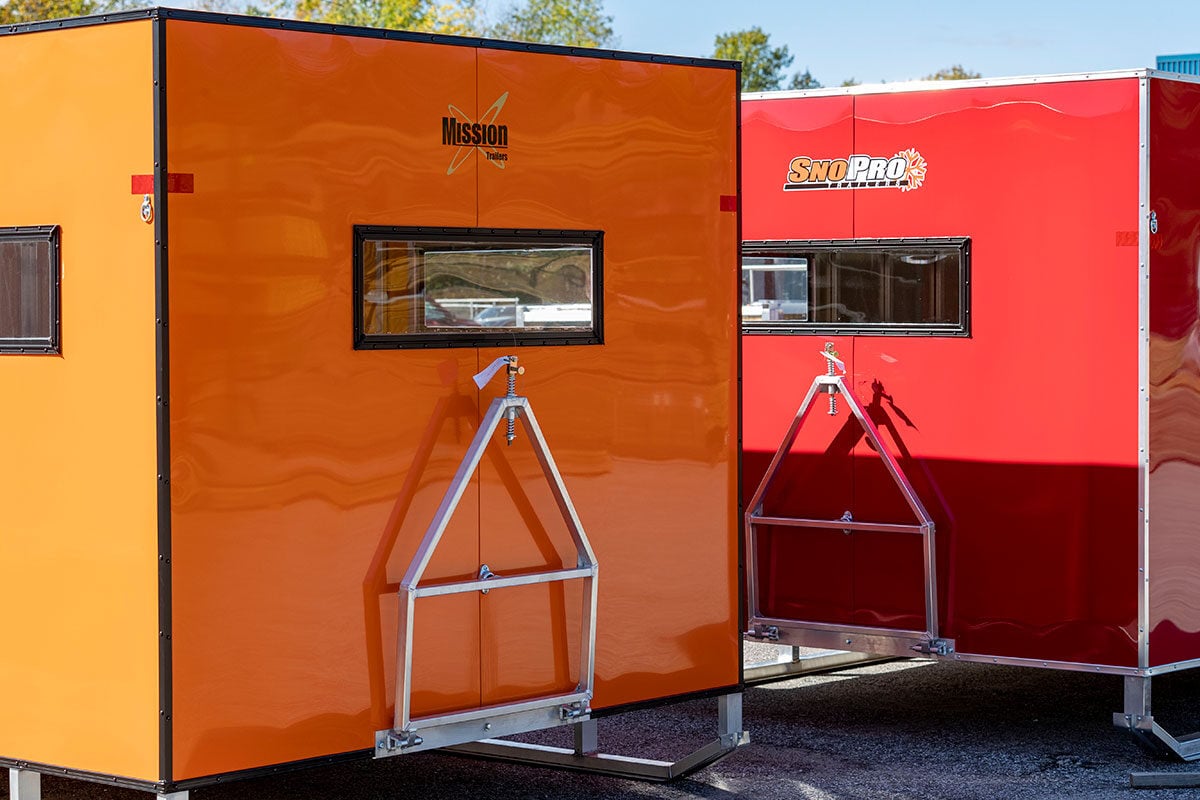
841,636
410,734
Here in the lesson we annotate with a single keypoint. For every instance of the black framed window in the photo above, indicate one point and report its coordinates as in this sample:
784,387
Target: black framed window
864,286
472,287
29,284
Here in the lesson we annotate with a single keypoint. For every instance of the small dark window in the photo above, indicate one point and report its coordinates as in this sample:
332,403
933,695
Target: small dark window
464,287
866,286
29,270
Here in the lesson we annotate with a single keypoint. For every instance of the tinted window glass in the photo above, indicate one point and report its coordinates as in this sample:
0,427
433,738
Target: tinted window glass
875,286
459,288
29,290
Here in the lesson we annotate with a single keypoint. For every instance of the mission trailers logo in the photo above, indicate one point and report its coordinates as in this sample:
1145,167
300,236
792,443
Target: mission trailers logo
904,171
484,136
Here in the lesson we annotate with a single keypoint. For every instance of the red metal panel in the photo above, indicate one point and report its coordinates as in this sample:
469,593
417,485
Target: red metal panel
1022,438
804,573
1174,563
1038,547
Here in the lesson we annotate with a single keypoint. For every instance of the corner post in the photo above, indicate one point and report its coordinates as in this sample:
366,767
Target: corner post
24,784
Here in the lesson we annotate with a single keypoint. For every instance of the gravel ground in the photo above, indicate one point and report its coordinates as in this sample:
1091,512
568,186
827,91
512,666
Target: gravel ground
903,729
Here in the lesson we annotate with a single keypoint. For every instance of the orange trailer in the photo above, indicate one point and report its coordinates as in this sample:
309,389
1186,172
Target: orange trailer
254,510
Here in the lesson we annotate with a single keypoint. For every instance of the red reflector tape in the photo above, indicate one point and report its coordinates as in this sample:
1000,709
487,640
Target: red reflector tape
177,182
729,202
1130,239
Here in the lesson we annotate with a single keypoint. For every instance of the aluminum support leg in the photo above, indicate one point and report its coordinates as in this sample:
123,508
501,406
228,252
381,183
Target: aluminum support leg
173,796
24,785
729,715
1139,720
587,738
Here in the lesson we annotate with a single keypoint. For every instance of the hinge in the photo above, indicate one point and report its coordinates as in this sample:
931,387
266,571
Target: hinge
393,741
935,647
768,632
573,711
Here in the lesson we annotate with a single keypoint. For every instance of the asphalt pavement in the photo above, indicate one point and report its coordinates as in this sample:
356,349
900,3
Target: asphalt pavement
903,729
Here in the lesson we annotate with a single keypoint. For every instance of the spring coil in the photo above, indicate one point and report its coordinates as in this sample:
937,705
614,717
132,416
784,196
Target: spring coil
511,431
833,409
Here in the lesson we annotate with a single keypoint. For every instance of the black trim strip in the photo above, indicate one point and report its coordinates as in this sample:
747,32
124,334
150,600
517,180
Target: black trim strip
273,769
669,700
370,33
737,293
78,22
163,391
478,337
83,775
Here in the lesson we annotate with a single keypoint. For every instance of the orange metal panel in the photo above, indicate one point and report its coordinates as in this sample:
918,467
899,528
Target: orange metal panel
643,427
78,547
305,472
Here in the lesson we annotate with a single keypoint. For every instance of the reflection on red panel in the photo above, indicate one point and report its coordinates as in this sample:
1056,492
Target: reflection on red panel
773,133
1174,559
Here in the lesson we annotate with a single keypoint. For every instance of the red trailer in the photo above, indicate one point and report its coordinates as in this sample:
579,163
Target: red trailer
1006,273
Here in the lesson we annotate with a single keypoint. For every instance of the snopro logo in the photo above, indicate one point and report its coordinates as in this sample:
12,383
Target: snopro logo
904,171
467,136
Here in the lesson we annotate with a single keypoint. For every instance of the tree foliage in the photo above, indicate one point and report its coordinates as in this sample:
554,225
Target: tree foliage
33,10
762,65
954,73
804,80
431,16
577,23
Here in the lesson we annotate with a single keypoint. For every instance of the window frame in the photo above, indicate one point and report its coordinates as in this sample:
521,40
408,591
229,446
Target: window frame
50,234
797,247
593,239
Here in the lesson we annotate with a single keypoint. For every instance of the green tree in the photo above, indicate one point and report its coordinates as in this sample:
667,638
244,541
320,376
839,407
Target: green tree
576,23
954,73
851,82
804,80
33,10
456,16
762,65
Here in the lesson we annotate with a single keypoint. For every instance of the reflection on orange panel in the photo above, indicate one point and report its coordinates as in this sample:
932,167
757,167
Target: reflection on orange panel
643,426
305,473
78,549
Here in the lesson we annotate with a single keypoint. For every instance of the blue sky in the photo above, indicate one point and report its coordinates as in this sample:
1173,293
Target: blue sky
873,40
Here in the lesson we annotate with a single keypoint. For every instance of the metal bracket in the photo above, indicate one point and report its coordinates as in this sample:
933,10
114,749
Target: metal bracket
852,636
411,734
585,757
